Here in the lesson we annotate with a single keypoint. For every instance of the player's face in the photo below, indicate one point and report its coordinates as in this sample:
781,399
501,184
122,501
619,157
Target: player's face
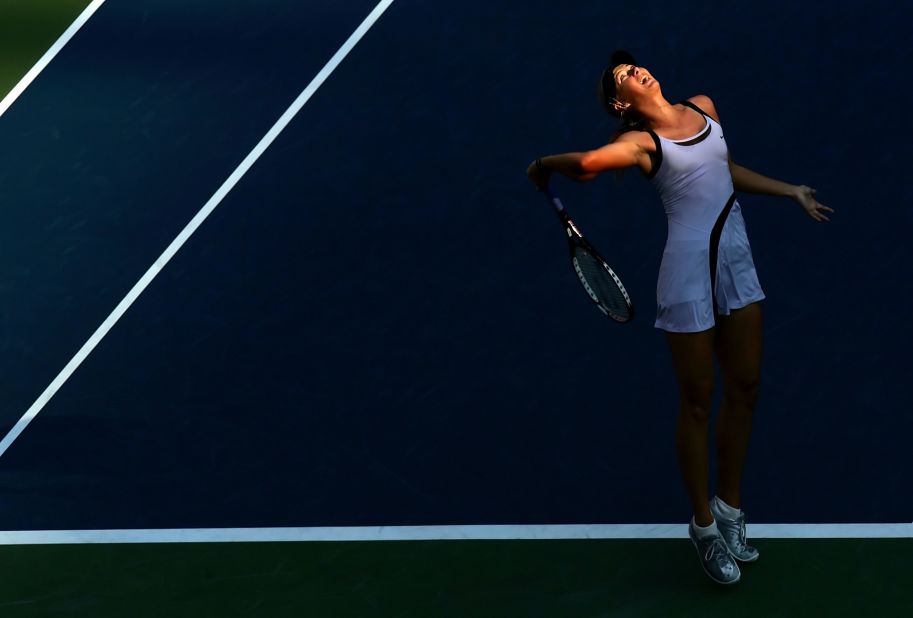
632,81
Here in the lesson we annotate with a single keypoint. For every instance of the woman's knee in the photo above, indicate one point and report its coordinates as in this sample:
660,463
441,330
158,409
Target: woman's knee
742,393
696,400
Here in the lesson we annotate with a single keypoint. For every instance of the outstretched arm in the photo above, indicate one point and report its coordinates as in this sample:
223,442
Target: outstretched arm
748,181
583,166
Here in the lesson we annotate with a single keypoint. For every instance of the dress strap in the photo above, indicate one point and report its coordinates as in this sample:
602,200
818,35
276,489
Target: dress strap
688,103
656,158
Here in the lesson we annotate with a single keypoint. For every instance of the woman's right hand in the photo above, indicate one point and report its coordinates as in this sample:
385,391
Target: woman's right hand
538,174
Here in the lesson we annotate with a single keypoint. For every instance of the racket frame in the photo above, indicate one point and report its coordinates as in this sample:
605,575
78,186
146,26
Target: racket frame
575,240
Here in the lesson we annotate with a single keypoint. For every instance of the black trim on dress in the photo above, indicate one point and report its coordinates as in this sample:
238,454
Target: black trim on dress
697,139
656,158
715,235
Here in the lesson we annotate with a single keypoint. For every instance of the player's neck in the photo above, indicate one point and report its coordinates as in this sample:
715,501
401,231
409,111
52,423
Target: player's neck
661,114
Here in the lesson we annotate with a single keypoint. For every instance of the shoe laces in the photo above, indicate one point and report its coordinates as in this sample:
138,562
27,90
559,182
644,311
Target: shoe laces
740,526
716,549
742,531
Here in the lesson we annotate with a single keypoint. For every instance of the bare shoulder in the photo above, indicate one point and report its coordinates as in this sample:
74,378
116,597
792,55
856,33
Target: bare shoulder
641,138
705,103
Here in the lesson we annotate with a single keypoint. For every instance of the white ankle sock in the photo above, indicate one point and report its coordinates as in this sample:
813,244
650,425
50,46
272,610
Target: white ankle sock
703,532
727,510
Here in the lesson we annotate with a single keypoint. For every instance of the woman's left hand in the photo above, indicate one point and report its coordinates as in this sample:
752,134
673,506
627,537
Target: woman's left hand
806,197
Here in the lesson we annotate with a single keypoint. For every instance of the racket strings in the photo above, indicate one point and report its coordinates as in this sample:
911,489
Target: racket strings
601,285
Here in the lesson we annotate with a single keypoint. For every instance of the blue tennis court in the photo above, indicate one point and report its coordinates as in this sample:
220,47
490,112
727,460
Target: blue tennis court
371,322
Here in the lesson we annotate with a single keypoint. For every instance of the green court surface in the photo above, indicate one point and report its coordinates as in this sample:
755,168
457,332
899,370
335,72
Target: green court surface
27,29
424,579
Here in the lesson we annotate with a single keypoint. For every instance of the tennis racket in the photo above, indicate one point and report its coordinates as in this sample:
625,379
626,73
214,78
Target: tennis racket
600,282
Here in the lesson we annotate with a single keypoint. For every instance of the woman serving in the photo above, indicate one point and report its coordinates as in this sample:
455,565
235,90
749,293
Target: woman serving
707,293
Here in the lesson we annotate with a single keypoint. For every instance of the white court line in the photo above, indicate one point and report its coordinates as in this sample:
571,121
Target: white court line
442,533
43,62
191,227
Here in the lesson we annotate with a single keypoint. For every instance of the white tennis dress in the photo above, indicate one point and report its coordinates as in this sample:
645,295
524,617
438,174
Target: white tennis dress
707,268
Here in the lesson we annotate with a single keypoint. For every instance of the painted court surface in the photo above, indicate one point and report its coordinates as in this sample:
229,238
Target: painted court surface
286,332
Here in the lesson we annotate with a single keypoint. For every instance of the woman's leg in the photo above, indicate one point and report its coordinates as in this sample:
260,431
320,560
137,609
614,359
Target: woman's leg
738,347
692,356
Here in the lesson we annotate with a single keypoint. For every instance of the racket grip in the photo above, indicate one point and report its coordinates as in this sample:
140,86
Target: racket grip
555,202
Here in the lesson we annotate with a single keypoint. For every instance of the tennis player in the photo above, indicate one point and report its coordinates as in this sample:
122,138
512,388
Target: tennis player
707,294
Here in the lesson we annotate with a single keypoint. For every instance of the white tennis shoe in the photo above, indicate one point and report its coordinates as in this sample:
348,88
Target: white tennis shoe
732,530
718,563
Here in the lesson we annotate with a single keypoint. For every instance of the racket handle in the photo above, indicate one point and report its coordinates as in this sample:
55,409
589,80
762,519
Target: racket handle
555,202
